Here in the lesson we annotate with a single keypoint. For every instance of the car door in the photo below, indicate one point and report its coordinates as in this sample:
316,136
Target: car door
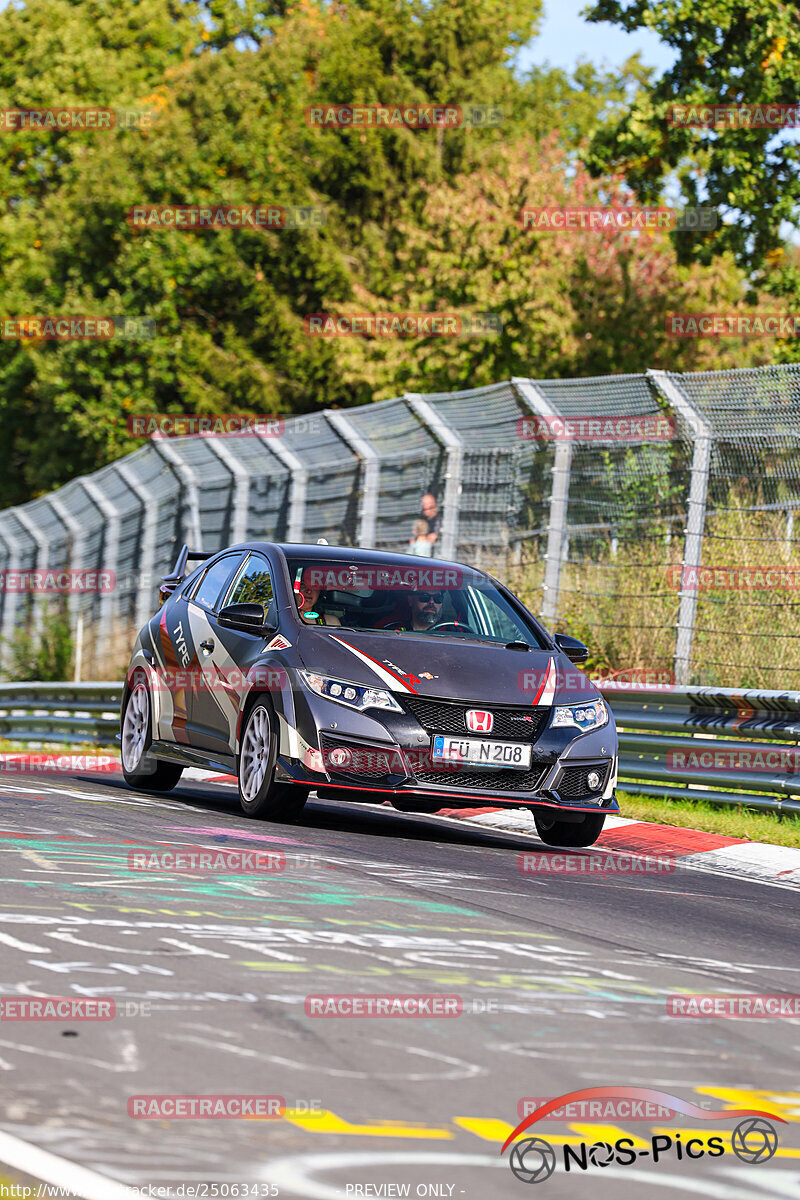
228,660
202,600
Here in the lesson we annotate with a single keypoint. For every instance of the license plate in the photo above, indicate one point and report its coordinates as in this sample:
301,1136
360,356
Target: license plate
480,753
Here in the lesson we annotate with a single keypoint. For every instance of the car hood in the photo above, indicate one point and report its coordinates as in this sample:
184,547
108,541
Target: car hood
443,667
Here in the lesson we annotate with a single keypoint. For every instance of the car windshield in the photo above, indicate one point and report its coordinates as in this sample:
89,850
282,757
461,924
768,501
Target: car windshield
442,601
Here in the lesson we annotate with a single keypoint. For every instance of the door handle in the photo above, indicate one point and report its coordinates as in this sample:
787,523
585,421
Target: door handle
207,646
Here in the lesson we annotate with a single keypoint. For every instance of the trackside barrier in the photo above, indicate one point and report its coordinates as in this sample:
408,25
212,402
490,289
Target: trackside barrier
66,713
715,744
721,745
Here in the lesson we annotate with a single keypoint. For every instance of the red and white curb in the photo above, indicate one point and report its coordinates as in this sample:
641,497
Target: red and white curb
691,848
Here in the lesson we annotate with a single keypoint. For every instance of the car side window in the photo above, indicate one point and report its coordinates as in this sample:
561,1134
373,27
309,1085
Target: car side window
253,585
214,580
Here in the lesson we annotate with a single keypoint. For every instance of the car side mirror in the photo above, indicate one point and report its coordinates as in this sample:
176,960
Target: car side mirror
249,617
575,651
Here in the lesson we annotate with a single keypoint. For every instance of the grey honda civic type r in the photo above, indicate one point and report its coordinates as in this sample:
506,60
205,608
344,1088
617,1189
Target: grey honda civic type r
365,676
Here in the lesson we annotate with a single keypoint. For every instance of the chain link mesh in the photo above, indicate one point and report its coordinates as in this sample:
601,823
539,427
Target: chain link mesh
593,527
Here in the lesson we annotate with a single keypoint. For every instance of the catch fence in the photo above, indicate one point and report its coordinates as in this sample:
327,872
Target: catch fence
651,515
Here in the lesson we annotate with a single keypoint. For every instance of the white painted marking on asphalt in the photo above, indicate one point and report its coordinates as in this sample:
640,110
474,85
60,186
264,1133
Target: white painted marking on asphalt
60,1172
191,949
8,940
265,951
101,1064
38,860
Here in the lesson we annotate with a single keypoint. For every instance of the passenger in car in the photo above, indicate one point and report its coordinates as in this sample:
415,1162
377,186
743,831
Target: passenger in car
310,603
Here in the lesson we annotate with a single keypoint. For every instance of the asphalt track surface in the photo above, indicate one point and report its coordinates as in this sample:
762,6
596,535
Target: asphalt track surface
563,982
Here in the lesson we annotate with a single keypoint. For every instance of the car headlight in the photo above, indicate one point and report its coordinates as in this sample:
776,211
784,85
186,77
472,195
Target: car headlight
581,716
354,695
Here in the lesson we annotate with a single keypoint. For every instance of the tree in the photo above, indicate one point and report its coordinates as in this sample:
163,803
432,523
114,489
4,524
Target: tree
728,52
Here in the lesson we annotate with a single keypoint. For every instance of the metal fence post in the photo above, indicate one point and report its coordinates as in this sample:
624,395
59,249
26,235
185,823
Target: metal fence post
147,558
447,436
10,594
77,543
42,559
703,438
188,478
370,476
298,473
111,530
555,551
241,490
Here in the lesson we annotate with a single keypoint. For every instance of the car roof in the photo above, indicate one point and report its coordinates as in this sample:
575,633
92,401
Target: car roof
352,554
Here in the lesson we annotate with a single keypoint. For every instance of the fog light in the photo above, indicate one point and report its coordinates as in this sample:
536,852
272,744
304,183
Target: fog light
593,780
339,757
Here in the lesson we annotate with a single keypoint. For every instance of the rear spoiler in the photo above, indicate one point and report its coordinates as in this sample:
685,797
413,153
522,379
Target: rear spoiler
178,572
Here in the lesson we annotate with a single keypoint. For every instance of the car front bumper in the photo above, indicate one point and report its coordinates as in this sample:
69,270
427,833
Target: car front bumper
390,755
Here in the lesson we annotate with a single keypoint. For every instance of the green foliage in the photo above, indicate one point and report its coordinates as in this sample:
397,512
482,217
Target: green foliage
415,219
728,52
46,656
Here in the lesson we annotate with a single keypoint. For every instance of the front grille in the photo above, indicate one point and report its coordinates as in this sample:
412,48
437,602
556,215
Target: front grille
572,785
502,780
449,716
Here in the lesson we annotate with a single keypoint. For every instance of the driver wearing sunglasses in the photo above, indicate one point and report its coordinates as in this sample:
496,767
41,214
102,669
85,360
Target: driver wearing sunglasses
426,610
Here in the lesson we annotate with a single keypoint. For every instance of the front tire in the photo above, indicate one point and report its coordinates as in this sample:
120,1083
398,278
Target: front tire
259,794
570,833
140,771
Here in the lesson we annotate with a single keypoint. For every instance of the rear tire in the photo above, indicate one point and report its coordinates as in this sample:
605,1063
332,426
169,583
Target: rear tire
259,794
570,833
140,771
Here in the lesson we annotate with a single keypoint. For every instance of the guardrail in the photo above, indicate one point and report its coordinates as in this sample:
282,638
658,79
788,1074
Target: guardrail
65,713
715,744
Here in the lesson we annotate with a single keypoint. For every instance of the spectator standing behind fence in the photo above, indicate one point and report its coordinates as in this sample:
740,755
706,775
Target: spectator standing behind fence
430,521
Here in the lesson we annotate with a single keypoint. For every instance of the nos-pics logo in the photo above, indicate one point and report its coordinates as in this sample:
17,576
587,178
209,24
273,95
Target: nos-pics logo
532,1160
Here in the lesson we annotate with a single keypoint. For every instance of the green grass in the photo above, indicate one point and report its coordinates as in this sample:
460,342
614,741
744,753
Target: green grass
697,814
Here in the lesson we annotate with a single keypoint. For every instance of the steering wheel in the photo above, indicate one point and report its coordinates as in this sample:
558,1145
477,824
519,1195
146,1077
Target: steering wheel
456,626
